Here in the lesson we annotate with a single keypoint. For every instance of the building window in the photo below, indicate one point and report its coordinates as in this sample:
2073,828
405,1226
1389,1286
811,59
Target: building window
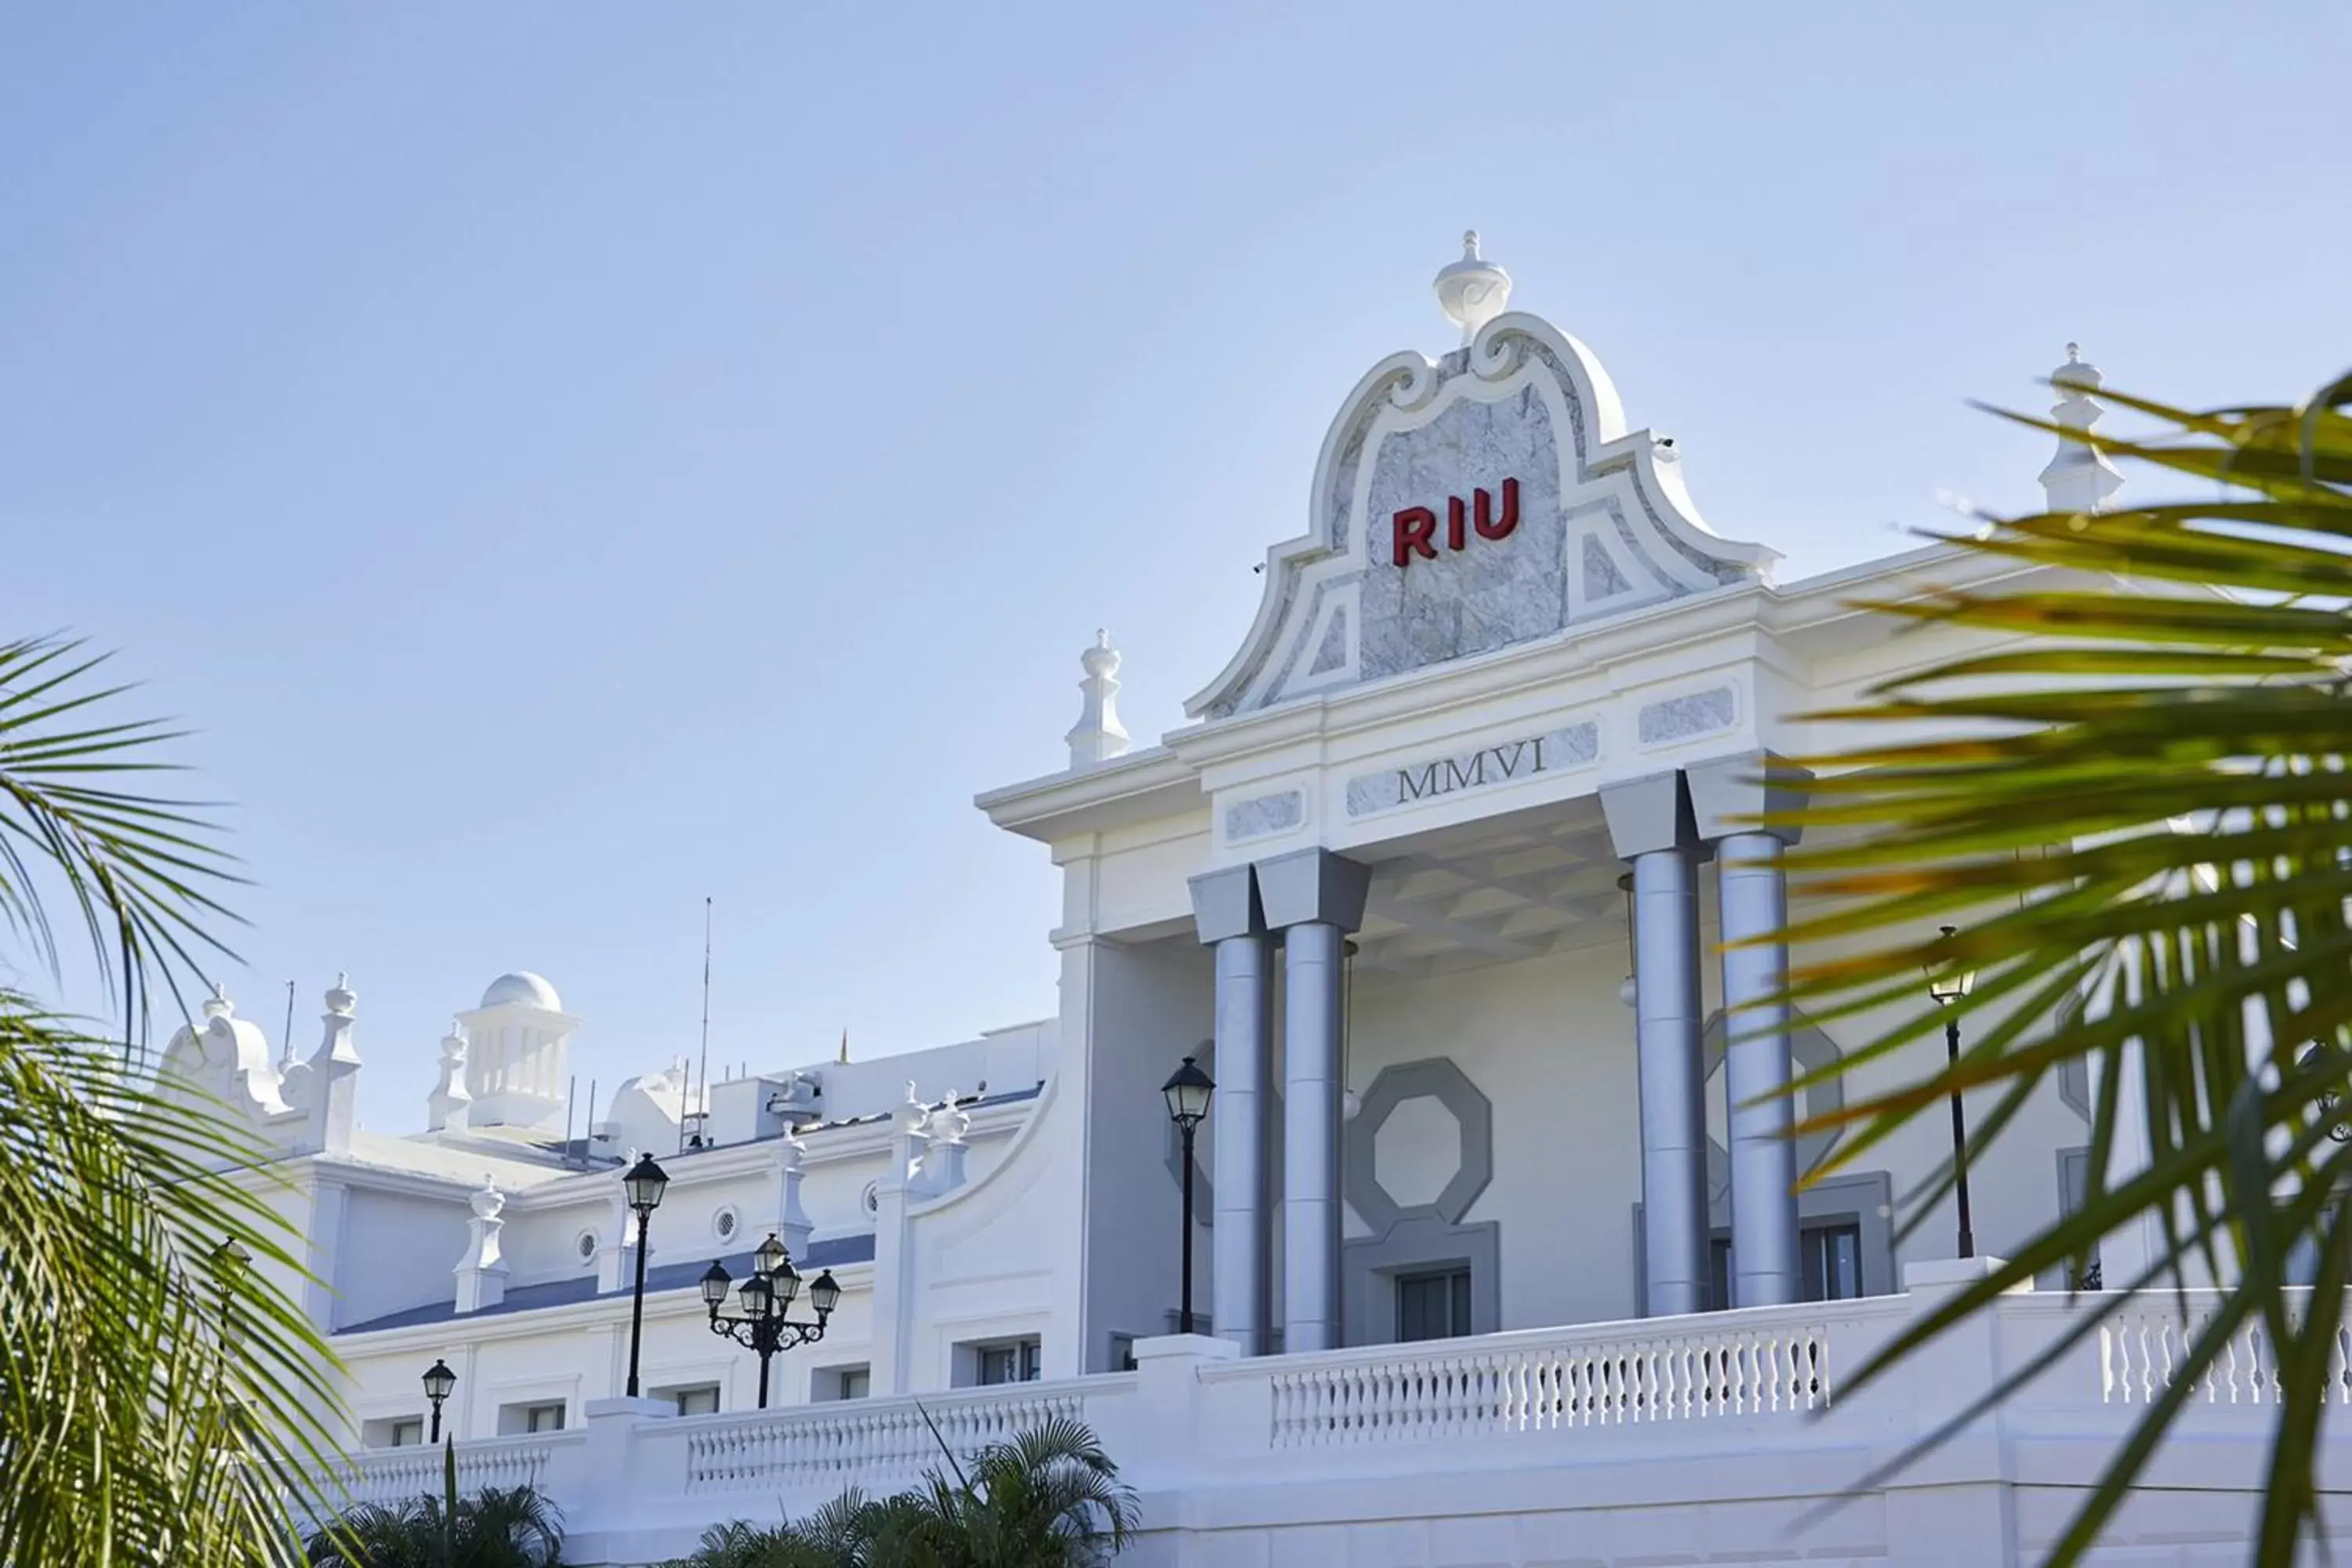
700,1399
408,1433
1012,1360
1829,1256
842,1382
1434,1305
1829,1263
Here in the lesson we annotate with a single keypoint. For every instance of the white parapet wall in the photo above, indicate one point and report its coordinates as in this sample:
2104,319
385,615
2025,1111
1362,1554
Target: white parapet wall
1724,1438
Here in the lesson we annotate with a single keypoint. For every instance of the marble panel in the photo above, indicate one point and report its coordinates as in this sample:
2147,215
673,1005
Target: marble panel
1570,746
1492,593
1265,814
1695,713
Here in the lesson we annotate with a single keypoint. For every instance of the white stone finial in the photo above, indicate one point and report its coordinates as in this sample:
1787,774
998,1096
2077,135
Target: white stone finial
340,999
482,1271
217,1004
1098,736
1471,291
2079,478
451,1101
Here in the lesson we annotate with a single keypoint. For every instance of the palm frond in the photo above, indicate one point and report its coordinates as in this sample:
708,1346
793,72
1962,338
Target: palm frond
2135,800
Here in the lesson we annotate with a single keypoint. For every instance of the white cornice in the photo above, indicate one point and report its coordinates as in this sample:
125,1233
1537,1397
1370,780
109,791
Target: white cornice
1142,786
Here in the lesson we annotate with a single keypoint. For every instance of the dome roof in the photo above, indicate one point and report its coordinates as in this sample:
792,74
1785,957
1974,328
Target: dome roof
524,989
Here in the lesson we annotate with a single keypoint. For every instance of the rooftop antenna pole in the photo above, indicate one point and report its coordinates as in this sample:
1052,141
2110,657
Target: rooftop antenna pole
588,1144
288,1047
702,1120
570,1099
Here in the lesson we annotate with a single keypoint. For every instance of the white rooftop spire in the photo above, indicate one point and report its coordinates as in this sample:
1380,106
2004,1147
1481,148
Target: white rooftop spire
1098,736
1471,291
2079,478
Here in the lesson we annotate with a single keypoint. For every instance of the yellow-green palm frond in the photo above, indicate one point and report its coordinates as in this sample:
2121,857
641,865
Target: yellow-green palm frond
2134,799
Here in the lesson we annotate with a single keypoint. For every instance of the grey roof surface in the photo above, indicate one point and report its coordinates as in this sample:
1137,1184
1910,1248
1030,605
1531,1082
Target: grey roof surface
833,1252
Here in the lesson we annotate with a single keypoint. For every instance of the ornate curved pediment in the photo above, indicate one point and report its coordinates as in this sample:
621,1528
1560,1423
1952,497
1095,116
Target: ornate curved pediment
1484,500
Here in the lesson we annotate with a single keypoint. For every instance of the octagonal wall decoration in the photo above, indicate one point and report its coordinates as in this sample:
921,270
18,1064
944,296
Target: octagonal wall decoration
1397,1162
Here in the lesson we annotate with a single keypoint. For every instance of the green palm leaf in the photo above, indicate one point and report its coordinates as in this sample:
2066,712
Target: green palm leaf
141,1352
2140,812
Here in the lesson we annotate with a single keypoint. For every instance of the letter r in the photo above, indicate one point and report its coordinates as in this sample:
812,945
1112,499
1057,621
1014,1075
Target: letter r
1415,525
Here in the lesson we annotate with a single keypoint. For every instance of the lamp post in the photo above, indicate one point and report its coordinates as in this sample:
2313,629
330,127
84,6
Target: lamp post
644,1184
1187,1092
438,1381
231,1258
1949,985
762,1326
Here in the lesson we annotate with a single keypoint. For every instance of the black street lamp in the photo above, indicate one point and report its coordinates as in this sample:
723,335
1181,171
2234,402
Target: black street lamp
231,1258
644,1184
1187,1092
438,1381
1949,985
767,1295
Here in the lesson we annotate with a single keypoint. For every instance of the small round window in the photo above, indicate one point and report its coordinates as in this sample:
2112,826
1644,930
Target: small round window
725,1223
587,1245
871,1198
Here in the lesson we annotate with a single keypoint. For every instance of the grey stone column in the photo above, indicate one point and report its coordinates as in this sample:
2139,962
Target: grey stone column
1728,798
1315,898
1650,820
1225,909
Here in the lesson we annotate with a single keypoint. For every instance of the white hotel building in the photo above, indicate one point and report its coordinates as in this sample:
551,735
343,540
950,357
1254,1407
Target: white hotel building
1487,1270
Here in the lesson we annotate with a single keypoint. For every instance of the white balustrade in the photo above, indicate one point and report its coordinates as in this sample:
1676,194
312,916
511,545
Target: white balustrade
878,1444
2145,1346
1767,1362
396,1475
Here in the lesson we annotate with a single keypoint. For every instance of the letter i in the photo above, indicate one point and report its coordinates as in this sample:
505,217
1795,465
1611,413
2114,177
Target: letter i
1455,538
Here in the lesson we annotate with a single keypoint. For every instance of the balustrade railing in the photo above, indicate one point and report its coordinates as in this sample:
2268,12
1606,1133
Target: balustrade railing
879,1444
2145,1347
1759,1363
394,1475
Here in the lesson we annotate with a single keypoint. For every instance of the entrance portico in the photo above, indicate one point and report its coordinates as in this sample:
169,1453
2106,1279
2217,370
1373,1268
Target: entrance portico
1517,889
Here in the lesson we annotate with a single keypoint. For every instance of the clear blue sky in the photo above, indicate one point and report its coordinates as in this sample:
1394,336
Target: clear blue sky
569,460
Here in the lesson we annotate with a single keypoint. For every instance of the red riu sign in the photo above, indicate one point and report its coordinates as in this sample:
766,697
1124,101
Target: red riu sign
1415,530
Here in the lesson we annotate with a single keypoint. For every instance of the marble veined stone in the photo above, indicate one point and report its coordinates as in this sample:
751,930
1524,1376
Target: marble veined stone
1492,593
1680,718
1265,814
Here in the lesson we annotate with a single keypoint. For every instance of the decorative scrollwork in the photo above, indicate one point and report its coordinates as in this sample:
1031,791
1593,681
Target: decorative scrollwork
2328,1099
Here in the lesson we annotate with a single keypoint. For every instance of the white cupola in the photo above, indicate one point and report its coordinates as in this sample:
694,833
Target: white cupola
517,1053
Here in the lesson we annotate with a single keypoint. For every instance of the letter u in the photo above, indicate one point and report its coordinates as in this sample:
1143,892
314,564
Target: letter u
1487,527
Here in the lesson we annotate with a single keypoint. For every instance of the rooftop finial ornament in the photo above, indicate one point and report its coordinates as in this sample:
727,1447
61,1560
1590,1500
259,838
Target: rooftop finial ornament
2080,477
1471,291
1098,736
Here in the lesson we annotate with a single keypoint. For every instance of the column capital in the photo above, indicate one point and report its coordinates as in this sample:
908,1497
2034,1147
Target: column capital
1650,813
1313,886
1225,904
1728,794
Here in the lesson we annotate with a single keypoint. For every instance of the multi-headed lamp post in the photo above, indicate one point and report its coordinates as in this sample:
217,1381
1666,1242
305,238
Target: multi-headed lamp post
1187,1092
644,1184
762,1326
1949,985
438,1382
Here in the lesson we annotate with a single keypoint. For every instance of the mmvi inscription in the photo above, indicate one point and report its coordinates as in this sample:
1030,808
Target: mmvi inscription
1570,746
